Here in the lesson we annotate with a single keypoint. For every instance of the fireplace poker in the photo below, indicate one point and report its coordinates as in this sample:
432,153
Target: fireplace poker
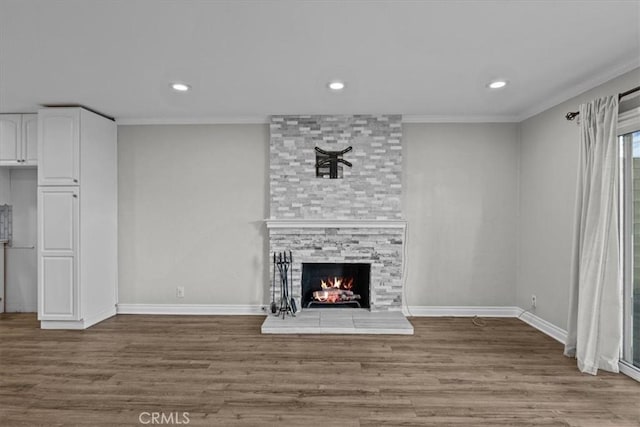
273,287
294,307
283,265
285,270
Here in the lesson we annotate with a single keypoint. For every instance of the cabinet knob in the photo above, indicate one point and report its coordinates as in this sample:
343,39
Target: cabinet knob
75,180
75,195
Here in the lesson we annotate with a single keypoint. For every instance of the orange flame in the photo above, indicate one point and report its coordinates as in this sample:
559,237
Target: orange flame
331,286
337,283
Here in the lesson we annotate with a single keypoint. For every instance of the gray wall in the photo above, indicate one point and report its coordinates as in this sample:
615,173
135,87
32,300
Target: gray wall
490,211
4,186
460,199
548,168
192,200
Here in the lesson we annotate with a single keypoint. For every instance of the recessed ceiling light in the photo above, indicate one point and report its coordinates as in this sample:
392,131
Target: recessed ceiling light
180,87
336,85
497,84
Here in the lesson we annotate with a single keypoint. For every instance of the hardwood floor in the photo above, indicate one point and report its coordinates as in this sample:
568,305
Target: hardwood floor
222,371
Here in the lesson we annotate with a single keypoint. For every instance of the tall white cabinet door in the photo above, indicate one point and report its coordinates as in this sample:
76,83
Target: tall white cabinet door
30,139
59,146
10,139
58,228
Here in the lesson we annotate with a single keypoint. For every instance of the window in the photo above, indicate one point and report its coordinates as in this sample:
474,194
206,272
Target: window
629,137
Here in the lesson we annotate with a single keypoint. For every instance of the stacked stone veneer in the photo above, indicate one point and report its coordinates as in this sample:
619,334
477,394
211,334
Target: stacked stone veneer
350,220
381,247
371,189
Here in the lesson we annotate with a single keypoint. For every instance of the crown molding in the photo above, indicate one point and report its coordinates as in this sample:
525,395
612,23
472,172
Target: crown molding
579,89
228,120
221,120
416,118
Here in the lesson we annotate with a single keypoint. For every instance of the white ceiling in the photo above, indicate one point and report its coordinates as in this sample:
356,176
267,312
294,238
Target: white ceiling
250,59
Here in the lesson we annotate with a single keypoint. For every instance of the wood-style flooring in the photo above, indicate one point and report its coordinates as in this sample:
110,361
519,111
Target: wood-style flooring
222,371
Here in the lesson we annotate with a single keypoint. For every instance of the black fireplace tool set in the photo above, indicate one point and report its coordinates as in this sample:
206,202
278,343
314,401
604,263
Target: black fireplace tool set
287,303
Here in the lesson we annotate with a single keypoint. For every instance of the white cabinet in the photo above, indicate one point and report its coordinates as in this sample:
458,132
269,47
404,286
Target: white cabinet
59,146
2,275
30,139
77,218
58,229
18,139
10,138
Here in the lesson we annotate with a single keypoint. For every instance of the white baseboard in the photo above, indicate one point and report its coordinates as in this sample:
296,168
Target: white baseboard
79,324
462,311
543,326
418,311
103,315
62,324
191,309
540,324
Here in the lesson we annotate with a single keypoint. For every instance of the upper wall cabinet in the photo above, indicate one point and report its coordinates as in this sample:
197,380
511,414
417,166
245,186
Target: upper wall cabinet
59,146
10,139
18,139
30,138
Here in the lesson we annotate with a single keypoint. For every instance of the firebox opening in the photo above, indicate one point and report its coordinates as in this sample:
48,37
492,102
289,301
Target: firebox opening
335,285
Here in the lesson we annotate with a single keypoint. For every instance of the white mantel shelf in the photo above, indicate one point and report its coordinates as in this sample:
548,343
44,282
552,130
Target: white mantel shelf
334,223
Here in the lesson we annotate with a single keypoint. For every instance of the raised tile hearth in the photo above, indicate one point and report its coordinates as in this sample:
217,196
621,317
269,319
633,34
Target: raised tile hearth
339,321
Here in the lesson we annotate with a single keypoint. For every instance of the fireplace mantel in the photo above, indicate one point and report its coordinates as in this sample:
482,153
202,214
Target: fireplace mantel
334,223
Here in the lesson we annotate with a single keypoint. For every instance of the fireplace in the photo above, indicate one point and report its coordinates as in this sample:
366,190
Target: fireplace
334,285
355,219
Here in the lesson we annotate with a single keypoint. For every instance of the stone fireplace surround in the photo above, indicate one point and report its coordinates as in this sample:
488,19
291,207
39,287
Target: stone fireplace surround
379,243
356,219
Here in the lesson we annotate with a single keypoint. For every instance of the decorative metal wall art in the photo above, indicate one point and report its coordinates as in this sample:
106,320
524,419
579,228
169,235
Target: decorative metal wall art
329,163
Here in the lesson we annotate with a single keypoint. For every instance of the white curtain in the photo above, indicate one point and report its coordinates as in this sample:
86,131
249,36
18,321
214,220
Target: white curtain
595,305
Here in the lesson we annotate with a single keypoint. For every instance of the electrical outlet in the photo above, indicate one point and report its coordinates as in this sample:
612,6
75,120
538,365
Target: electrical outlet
180,292
534,301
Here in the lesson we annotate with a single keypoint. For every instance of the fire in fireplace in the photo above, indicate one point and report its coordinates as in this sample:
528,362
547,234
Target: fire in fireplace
335,285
